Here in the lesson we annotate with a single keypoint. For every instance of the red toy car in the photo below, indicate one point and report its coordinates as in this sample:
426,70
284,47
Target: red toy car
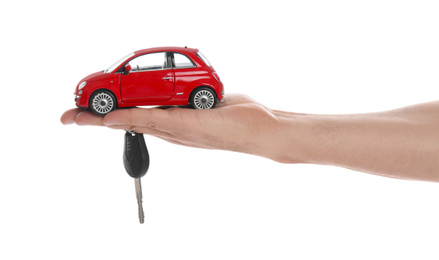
155,76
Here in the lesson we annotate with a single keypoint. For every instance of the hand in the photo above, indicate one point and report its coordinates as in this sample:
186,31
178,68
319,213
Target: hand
238,124
401,143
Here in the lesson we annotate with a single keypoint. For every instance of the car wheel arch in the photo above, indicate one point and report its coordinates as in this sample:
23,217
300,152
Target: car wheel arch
104,89
202,86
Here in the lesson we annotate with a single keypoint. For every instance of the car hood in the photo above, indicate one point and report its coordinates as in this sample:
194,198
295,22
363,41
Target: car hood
95,76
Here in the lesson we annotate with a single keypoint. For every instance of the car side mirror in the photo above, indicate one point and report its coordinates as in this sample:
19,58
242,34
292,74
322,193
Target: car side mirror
127,69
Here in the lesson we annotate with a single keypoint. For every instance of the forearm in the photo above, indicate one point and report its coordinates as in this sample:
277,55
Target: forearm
402,143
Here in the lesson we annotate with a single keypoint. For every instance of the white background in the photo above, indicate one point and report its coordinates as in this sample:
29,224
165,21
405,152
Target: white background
64,193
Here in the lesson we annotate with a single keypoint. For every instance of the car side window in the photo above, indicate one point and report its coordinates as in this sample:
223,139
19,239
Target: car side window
182,61
152,61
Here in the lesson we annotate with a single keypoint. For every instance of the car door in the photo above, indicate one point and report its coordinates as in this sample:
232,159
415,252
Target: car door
185,71
151,79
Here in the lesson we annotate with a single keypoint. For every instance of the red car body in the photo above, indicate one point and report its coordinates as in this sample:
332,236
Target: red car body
170,83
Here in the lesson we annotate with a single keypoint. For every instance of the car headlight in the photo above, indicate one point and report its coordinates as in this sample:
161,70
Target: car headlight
82,85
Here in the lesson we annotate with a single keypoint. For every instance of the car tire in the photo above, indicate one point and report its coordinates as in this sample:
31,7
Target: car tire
102,102
203,98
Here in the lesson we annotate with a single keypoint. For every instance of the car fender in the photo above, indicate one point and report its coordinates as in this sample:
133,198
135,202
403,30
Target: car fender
102,85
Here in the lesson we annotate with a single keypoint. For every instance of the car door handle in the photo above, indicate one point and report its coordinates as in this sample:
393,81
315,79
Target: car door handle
167,78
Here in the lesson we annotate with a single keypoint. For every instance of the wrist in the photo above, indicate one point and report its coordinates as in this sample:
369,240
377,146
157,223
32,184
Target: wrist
293,139
306,138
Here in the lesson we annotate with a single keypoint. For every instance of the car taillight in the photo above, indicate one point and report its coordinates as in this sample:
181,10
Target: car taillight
216,76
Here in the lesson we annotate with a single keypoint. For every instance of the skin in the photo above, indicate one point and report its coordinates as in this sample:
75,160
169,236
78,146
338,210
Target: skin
401,143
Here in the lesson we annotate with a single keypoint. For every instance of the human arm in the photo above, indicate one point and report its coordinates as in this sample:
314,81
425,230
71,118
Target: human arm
401,143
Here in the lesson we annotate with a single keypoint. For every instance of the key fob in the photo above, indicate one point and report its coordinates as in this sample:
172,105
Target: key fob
135,155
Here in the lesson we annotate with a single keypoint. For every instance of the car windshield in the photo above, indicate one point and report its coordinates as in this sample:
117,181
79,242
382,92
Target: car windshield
115,65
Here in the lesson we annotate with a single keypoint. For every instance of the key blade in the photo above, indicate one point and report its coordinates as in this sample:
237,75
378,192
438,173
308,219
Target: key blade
138,185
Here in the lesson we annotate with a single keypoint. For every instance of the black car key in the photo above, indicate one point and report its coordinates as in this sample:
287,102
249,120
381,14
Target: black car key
136,162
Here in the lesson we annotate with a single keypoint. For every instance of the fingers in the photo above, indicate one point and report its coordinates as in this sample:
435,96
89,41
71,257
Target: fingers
150,118
81,117
69,117
88,118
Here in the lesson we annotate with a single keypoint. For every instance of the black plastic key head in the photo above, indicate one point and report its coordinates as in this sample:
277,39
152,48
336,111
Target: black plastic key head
135,155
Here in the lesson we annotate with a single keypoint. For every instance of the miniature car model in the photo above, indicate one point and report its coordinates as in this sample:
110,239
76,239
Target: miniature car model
155,76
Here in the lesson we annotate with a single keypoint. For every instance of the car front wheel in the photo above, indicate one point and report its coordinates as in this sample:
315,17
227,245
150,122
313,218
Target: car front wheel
102,102
203,98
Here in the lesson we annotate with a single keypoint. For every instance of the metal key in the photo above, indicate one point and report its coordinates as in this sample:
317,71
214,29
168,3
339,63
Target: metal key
136,162
138,185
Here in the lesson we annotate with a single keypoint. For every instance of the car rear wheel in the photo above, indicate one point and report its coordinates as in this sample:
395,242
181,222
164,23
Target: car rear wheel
102,102
203,98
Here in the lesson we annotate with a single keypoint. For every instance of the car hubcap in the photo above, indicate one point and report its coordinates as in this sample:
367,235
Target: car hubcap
204,99
103,103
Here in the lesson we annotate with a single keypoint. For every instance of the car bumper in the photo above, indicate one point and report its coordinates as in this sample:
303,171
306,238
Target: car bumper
81,99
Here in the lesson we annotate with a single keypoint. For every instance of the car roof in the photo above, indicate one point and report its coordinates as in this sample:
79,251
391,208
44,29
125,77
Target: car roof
164,49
